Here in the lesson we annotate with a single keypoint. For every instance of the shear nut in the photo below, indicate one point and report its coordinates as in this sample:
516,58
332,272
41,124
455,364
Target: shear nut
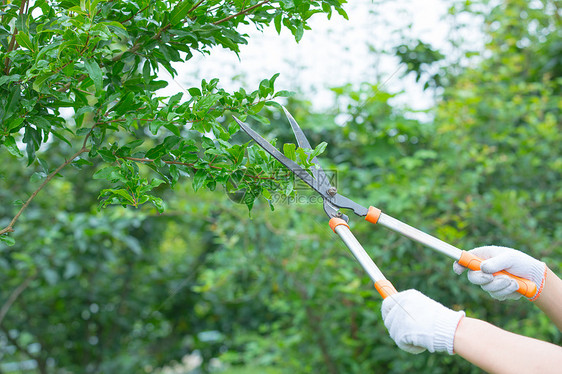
332,191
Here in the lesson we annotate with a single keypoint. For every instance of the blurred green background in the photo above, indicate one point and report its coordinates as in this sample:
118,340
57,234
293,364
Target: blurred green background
209,287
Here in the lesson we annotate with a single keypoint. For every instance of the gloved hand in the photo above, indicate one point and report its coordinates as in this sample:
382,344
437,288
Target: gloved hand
417,323
500,286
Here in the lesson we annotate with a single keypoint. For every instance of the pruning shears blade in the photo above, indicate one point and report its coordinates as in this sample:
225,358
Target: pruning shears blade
319,182
287,162
303,142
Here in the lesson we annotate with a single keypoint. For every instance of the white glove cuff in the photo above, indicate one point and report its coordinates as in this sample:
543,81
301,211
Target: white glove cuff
445,329
537,274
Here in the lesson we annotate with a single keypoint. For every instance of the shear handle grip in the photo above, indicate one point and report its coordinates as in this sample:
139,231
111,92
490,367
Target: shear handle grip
383,285
373,215
526,287
385,288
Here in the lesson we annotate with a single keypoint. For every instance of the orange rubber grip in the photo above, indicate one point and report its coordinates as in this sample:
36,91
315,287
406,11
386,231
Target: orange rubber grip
335,222
385,288
373,215
526,287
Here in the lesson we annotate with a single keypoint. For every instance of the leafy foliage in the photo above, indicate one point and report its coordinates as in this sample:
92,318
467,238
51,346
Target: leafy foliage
132,290
99,61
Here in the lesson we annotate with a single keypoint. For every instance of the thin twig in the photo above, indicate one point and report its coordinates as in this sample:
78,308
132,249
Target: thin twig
195,6
244,11
191,165
134,15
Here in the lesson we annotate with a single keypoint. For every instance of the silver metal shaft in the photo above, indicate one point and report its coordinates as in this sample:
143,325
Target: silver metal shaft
419,236
359,253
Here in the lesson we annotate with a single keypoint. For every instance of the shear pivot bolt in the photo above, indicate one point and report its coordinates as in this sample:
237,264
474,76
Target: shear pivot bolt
332,191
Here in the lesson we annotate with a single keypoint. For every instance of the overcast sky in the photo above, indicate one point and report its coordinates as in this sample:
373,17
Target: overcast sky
334,52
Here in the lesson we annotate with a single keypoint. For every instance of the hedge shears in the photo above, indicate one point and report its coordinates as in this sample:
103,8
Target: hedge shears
333,202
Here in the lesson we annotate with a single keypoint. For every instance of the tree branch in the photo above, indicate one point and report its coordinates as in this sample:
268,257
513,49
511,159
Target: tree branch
15,343
319,336
13,43
244,11
137,45
15,294
10,227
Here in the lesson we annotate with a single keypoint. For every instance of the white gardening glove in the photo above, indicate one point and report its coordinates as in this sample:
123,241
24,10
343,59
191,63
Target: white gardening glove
500,286
417,323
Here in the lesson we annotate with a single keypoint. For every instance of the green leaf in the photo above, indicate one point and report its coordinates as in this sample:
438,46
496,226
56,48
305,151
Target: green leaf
146,72
233,128
134,143
14,124
155,183
257,107
284,93
8,240
289,151
81,162
155,125
173,128
266,193
44,165
264,89
260,118
37,177
126,104
95,73
320,148
272,81
199,178
107,155
205,103
180,12
14,98
41,122
124,194
10,144
194,91
39,81
23,40
274,104
83,131
277,21
342,13
32,138
58,135
109,173
158,203
289,189
299,32
9,78
303,157
237,153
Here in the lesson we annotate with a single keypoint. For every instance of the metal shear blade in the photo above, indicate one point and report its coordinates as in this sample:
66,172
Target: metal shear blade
318,181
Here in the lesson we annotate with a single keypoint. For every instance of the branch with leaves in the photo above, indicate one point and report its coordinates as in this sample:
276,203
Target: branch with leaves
101,61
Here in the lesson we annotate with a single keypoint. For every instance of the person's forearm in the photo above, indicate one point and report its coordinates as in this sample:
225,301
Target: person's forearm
550,299
498,351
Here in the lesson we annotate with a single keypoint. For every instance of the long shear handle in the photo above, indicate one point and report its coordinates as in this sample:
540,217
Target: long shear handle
527,287
383,285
